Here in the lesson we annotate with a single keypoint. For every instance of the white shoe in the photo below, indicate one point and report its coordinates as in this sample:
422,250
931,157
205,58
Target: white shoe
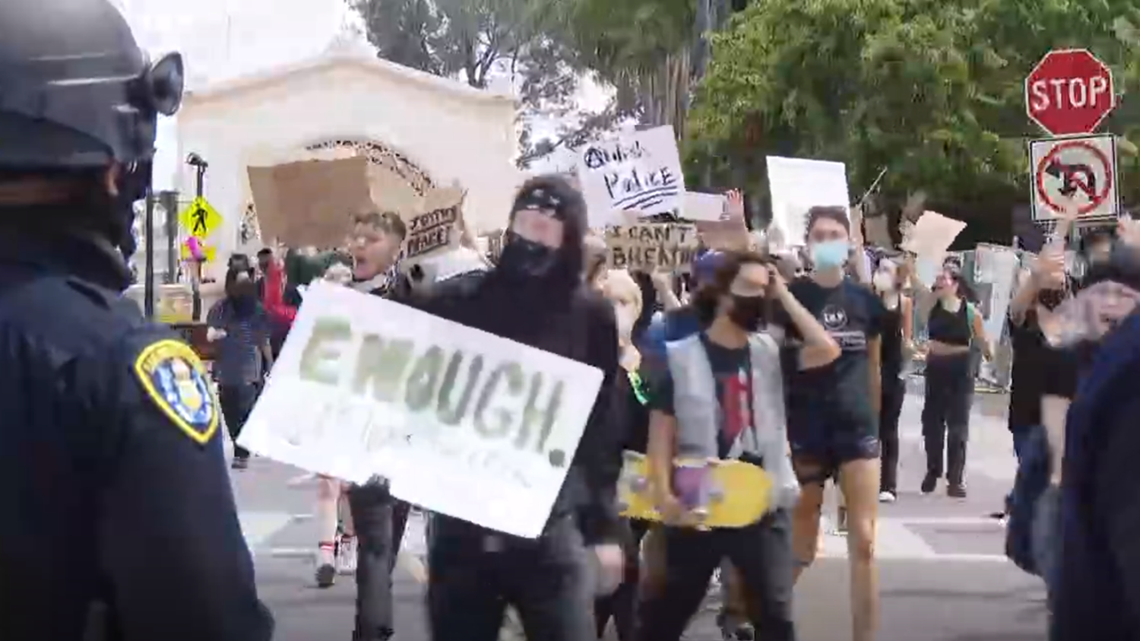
326,569
887,497
346,556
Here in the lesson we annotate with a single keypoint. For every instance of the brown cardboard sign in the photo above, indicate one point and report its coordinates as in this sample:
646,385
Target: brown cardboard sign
652,247
438,228
310,202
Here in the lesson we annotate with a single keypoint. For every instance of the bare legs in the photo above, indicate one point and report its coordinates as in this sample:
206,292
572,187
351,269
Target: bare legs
859,483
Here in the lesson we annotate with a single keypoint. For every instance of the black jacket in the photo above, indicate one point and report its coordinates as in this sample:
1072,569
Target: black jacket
111,458
580,327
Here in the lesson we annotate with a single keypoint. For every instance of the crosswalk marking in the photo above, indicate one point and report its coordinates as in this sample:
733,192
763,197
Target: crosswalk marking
896,541
259,527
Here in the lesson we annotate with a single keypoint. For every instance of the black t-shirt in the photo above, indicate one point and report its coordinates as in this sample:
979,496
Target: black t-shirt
636,397
835,397
732,372
1038,369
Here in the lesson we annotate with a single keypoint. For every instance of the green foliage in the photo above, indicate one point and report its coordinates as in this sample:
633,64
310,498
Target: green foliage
933,91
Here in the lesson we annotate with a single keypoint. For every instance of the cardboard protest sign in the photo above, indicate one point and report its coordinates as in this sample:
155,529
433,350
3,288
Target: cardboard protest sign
932,235
702,207
310,202
635,172
729,232
459,421
437,228
652,247
798,184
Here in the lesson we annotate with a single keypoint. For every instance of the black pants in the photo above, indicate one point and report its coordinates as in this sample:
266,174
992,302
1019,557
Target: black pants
946,414
237,402
621,606
894,391
475,574
379,521
762,553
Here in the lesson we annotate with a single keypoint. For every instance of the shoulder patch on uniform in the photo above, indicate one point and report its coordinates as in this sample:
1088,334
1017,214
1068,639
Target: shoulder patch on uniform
175,379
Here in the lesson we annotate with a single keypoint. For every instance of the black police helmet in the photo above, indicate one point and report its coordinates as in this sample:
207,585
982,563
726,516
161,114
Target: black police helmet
76,91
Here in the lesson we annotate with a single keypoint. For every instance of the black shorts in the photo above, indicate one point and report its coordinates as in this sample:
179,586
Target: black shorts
829,450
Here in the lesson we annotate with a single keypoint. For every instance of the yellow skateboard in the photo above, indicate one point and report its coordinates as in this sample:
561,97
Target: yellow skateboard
722,493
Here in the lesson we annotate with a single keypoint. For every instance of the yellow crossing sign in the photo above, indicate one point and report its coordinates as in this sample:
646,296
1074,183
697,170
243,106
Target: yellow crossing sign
200,218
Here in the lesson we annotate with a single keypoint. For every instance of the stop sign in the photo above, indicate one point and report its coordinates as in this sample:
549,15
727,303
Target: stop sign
1069,92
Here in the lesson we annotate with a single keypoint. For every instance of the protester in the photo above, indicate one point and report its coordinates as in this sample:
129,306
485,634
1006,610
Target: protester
833,411
379,519
536,296
241,328
673,325
1095,597
621,605
954,328
744,362
897,348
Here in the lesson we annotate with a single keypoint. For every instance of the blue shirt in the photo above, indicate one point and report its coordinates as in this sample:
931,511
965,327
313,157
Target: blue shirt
239,358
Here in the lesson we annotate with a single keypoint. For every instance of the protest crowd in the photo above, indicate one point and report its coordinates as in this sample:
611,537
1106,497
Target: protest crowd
666,397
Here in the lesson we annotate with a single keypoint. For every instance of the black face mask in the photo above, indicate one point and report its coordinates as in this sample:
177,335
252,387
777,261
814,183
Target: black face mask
524,257
747,312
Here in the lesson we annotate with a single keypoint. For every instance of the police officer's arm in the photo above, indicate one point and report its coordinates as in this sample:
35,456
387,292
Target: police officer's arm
1117,504
170,540
600,451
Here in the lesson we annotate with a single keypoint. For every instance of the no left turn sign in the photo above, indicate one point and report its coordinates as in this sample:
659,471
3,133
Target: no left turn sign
1077,172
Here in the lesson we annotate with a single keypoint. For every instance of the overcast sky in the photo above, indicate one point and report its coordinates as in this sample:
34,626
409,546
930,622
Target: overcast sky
223,39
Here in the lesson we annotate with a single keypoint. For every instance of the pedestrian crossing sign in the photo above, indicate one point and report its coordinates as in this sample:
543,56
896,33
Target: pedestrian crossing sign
200,218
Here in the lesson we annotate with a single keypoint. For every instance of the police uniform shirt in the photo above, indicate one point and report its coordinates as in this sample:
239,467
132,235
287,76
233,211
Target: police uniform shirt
112,472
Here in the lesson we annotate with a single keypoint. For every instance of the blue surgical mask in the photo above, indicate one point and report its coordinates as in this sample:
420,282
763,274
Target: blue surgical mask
829,254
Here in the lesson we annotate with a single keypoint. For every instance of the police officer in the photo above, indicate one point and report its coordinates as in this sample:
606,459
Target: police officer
117,512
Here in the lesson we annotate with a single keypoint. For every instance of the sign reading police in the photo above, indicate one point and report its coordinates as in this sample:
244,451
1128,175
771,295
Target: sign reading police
638,172
459,421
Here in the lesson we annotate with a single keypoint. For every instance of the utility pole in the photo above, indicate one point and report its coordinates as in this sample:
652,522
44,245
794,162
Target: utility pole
200,166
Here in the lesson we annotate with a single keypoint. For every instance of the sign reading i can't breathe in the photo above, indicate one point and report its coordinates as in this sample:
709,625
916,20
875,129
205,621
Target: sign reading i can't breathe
459,421
652,246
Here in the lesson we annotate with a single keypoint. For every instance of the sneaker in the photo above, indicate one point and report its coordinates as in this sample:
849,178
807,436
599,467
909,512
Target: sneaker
239,464
887,496
733,629
956,490
346,556
326,565
929,482
841,521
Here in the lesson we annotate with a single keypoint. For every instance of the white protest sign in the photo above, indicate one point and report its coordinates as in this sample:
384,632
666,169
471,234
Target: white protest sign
932,235
635,172
459,421
798,184
702,207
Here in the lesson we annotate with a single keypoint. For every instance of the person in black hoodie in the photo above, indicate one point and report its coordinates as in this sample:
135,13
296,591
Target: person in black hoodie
536,296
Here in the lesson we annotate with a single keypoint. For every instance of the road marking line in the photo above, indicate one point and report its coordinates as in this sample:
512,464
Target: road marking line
258,527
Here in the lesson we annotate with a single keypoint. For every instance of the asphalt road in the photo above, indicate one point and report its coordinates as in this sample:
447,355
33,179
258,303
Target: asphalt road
943,575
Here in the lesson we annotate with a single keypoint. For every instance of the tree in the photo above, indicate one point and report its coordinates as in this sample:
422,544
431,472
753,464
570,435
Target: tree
932,91
476,39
